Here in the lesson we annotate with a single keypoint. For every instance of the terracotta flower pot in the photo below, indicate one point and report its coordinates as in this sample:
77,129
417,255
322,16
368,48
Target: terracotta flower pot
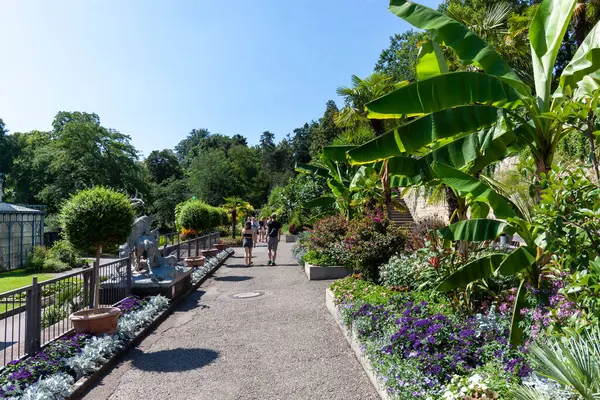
97,322
195,261
209,253
221,246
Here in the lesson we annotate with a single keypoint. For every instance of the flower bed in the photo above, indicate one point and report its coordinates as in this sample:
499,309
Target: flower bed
51,373
210,265
419,348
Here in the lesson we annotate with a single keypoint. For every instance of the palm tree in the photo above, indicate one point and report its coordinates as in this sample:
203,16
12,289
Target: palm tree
358,95
236,206
354,113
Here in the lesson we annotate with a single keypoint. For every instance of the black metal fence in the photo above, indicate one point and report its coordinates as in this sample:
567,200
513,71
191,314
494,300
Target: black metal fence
33,316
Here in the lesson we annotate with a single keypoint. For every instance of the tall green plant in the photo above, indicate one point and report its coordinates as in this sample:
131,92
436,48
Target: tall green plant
453,106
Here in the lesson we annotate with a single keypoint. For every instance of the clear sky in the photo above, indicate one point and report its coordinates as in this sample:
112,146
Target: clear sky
155,69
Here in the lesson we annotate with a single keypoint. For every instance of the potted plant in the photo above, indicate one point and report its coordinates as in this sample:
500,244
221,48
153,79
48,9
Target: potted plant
293,230
195,261
97,217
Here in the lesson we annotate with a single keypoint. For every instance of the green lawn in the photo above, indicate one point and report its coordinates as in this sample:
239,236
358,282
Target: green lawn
18,278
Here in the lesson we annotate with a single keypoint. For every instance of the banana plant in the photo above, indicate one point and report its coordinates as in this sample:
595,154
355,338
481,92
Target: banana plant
450,106
524,261
352,187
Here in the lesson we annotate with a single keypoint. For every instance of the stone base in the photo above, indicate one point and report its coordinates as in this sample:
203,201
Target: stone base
355,346
315,273
291,238
168,288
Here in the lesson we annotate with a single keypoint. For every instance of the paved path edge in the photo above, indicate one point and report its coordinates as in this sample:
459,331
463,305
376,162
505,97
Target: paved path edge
85,384
353,343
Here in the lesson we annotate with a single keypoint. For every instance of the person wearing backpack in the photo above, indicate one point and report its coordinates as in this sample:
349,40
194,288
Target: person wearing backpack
273,236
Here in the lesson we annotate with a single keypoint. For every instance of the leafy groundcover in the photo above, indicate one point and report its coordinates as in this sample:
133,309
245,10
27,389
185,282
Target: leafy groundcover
420,348
51,373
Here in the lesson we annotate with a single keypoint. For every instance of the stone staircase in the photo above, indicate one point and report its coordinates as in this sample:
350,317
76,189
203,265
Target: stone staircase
402,217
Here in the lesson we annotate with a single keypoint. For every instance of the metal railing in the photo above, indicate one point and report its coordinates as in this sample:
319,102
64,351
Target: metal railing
35,315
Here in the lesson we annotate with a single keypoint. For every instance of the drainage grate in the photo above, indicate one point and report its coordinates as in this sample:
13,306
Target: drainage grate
247,295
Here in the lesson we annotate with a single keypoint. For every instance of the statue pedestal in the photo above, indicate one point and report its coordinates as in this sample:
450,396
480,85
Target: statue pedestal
142,285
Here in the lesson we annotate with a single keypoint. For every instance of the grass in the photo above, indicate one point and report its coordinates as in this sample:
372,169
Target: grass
17,278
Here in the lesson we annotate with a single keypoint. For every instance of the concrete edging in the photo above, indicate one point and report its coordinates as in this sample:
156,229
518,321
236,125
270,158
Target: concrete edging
83,385
316,273
354,345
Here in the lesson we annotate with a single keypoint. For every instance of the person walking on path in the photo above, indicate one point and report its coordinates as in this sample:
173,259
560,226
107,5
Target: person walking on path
247,236
254,224
262,230
273,235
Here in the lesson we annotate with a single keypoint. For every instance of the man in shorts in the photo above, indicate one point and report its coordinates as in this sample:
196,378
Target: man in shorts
273,235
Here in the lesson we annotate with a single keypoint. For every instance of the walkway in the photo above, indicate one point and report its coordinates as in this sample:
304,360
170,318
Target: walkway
281,345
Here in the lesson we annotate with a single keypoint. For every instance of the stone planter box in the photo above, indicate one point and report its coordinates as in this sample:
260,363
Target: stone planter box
316,273
291,238
355,346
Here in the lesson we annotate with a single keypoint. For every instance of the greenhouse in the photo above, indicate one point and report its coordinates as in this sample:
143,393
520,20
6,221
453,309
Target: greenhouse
21,229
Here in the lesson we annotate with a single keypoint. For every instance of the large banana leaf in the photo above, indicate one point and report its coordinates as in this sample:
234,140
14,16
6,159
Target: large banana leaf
475,189
472,152
421,132
312,169
365,177
480,268
474,230
442,92
517,261
336,153
324,201
468,46
516,332
430,61
546,33
585,61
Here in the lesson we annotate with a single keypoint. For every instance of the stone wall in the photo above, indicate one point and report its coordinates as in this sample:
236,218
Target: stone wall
420,209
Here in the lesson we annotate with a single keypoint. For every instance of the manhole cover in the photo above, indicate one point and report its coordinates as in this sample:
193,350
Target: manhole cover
247,295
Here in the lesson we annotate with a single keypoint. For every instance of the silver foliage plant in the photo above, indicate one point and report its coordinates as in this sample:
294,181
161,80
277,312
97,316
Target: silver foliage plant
209,265
130,323
55,387
96,352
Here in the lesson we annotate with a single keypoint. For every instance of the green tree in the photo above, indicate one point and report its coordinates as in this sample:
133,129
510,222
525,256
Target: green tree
210,177
162,165
7,149
301,142
399,60
98,217
236,207
186,146
165,197
327,130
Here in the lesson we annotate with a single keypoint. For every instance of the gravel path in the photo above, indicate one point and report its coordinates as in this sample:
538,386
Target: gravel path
281,345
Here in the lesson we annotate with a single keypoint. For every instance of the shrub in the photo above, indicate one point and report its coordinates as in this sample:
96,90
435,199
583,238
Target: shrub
292,229
229,241
196,215
98,216
215,217
55,265
327,232
64,251
224,217
371,241
424,232
35,260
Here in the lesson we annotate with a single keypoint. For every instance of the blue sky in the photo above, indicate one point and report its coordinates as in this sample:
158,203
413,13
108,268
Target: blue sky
156,69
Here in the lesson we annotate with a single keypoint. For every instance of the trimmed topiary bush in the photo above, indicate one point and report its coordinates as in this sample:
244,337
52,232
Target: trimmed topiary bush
97,217
195,215
215,217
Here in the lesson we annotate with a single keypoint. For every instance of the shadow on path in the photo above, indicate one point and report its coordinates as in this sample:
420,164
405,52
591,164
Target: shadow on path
233,278
176,360
192,301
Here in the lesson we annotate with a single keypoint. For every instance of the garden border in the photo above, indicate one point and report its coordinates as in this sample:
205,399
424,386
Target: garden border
83,385
350,336
317,273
